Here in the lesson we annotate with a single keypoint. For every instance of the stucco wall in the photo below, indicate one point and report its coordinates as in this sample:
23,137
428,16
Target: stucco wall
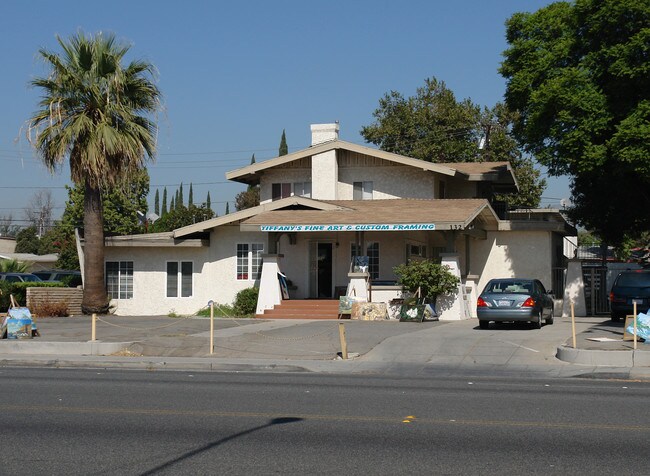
281,175
214,276
388,182
524,254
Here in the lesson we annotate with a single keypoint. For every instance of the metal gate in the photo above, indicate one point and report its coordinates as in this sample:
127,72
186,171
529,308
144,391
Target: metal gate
596,299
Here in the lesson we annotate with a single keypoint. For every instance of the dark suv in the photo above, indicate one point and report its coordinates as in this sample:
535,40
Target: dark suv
630,287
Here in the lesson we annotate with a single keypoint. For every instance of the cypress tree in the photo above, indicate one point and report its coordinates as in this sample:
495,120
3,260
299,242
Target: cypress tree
253,159
164,203
227,208
190,197
284,150
156,204
179,202
207,202
171,205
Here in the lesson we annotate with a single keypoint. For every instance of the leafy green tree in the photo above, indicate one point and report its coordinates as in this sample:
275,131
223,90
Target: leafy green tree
27,241
182,216
190,197
208,202
579,75
164,202
248,198
93,114
284,149
156,203
434,126
120,204
179,199
171,204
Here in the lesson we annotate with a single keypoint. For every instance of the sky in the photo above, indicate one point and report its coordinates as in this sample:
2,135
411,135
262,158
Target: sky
234,75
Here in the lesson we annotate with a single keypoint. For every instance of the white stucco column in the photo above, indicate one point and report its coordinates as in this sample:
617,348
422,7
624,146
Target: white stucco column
471,281
452,307
358,285
270,293
574,290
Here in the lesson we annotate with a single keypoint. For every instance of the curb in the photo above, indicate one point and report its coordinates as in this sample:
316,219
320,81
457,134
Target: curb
609,358
63,348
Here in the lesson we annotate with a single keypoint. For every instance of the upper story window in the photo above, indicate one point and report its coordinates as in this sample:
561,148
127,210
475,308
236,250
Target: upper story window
302,189
284,190
362,191
442,190
280,190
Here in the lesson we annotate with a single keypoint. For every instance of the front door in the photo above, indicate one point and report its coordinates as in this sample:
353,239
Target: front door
321,271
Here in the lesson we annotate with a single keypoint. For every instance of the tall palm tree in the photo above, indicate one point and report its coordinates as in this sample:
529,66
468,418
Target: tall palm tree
93,114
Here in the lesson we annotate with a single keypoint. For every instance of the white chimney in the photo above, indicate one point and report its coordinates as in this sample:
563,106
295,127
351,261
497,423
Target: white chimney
324,133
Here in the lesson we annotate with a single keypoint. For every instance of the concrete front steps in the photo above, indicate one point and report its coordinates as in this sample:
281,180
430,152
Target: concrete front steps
303,309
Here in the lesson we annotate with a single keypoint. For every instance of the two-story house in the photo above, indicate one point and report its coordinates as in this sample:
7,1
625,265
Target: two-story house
322,206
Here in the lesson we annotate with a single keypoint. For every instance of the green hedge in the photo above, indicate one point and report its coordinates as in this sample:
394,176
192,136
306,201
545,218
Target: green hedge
19,291
246,302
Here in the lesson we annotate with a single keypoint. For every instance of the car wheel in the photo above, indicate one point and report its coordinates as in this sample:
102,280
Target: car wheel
540,320
484,324
549,319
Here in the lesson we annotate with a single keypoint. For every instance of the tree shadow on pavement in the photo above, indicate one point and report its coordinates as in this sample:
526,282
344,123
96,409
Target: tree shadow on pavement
209,446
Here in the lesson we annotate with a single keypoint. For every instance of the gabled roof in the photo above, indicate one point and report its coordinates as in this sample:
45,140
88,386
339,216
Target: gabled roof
247,174
455,214
473,171
290,202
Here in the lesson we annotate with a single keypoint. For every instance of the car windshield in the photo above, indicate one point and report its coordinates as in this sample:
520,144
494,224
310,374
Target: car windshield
636,280
30,277
509,287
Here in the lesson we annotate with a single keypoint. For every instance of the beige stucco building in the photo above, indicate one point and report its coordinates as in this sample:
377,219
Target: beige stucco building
323,205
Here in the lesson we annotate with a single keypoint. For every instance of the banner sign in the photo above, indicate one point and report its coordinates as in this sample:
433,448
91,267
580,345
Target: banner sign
358,227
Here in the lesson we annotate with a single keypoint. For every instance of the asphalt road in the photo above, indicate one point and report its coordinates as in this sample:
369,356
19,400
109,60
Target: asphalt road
55,421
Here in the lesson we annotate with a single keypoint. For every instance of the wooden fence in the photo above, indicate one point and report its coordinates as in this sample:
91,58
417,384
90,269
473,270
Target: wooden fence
71,296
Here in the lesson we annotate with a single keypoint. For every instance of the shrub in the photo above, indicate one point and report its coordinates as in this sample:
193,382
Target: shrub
50,309
5,290
432,278
246,302
19,290
220,310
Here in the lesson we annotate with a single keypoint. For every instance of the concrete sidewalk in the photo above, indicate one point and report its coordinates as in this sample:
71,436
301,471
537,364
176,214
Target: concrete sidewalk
158,342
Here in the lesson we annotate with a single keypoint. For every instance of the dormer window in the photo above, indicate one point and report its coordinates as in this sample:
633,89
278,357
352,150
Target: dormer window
362,191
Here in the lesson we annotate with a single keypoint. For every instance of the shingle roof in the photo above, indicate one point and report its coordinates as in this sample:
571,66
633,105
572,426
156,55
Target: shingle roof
445,214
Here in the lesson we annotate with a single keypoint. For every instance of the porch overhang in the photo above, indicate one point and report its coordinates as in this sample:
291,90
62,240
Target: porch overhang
471,216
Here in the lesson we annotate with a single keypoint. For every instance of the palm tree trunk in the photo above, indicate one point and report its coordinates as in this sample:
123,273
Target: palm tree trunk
95,299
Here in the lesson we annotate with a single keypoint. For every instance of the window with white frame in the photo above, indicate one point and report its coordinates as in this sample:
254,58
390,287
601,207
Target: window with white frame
415,251
362,190
372,252
249,261
302,189
119,279
280,190
179,278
